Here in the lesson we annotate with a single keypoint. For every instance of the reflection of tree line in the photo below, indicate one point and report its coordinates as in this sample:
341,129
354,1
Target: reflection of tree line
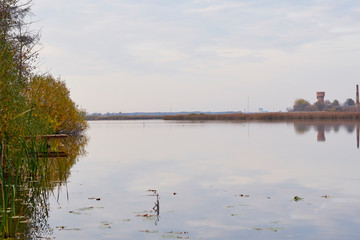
322,127
25,194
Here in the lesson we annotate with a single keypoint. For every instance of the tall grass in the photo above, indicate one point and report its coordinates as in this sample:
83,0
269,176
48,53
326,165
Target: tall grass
27,181
30,105
22,176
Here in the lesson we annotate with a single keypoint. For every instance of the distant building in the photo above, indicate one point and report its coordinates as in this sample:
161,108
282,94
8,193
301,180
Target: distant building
262,110
320,96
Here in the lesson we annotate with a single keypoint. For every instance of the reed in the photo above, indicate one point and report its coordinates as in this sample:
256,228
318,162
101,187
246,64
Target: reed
272,116
28,180
20,170
30,105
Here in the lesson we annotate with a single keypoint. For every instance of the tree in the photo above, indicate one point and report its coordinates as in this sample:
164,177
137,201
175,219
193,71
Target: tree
301,104
11,101
319,106
335,104
327,104
15,31
14,63
349,102
29,106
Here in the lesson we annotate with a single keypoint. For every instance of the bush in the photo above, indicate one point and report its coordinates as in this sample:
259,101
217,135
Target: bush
51,100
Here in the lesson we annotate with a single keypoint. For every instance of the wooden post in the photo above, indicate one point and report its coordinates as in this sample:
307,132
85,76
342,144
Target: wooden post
48,145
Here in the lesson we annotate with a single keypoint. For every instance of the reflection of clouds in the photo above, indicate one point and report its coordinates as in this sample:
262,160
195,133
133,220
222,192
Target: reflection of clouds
212,155
214,228
280,212
209,164
235,180
166,180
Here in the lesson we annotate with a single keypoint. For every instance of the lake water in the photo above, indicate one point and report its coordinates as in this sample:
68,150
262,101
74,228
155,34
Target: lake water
212,180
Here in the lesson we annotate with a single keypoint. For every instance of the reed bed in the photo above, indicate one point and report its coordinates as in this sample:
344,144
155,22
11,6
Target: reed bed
272,116
27,181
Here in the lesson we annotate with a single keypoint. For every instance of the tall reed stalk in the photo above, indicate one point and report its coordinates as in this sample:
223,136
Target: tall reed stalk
27,181
18,168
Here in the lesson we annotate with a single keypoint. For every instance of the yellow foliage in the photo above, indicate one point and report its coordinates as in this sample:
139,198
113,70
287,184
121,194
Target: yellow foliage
50,99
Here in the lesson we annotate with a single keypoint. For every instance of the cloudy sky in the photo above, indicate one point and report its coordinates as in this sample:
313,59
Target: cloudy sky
207,55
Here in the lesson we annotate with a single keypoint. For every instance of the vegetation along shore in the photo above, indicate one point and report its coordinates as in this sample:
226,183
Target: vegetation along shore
32,107
270,116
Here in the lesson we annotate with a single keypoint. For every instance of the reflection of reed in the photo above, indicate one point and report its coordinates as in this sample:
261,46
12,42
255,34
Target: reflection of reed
321,127
156,207
28,187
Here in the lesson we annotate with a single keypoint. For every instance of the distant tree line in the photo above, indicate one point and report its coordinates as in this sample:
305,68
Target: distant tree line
302,105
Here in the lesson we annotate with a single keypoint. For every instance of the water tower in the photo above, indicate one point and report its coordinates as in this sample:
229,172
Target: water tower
320,96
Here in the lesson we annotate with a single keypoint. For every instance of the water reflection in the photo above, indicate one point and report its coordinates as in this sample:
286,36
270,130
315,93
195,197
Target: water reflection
215,180
26,197
326,127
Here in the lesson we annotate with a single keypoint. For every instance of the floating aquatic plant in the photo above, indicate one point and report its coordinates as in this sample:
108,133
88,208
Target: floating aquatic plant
297,198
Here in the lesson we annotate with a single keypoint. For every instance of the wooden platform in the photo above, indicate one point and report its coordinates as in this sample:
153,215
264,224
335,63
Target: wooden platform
52,154
47,138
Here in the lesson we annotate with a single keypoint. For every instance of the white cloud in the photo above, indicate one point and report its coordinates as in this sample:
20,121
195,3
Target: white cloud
155,53
227,53
217,8
344,29
52,51
214,53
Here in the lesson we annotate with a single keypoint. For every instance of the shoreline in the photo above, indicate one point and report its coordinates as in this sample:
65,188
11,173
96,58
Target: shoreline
123,117
272,116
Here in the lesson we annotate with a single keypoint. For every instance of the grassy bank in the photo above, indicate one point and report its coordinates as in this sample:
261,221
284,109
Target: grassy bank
274,116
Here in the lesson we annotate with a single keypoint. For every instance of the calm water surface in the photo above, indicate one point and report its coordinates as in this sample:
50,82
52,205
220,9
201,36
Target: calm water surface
214,180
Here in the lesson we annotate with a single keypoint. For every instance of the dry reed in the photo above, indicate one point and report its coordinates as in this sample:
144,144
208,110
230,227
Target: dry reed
272,116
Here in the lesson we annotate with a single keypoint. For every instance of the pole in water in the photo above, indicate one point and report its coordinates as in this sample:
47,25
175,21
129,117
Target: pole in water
357,96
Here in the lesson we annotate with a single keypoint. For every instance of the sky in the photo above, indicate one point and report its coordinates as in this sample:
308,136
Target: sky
200,55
